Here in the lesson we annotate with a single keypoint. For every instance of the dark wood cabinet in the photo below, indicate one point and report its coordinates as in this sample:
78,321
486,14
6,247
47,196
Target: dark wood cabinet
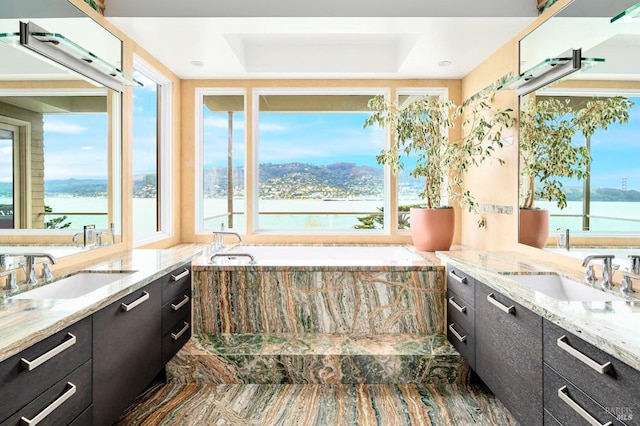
461,313
127,351
31,372
611,384
176,311
508,340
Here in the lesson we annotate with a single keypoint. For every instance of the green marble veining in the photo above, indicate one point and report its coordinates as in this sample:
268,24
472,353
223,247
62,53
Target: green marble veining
325,405
291,300
317,358
614,327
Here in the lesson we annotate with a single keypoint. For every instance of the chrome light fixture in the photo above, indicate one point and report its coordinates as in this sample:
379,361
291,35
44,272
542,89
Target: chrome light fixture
65,52
549,71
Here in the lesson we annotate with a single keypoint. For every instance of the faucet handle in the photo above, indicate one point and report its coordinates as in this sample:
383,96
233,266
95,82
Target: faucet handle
591,275
11,280
46,272
627,284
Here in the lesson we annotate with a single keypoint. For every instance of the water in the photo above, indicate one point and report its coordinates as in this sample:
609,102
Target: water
608,209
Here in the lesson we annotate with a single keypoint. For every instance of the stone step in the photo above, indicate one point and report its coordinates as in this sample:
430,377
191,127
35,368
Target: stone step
317,359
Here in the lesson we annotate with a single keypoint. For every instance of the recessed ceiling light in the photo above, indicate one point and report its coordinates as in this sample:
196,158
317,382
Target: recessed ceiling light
444,63
197,63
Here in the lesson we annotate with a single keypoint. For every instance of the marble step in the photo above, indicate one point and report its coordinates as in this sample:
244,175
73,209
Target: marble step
317,359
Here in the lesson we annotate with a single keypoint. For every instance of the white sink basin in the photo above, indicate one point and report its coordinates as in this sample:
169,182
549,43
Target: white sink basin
74,286
561,288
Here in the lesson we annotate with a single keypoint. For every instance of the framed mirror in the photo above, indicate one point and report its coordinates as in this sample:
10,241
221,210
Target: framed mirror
603,206
60,133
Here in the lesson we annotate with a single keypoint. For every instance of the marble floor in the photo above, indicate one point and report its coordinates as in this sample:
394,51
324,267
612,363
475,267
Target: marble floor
325,405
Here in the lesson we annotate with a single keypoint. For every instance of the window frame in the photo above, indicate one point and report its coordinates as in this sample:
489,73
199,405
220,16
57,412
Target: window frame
164,154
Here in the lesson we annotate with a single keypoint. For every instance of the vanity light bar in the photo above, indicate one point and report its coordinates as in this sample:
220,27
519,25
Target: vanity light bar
65,52
630,15
549,71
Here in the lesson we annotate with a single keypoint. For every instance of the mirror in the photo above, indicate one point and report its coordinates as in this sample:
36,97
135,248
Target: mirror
603,209
60,138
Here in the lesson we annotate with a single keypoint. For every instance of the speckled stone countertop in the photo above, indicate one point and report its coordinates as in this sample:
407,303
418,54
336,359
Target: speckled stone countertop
24,321
614,327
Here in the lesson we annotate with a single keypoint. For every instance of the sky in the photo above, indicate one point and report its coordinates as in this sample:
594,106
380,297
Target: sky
75,145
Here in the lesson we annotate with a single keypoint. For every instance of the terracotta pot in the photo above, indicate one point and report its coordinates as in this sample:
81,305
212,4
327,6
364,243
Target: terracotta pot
432,229
534,227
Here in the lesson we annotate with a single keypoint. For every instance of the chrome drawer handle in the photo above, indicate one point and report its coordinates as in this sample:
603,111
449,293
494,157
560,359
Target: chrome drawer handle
176,336
138,301
508,309
180,276
461,280
181,304
562,393
600,368
31,365
459,308
453,331
55,404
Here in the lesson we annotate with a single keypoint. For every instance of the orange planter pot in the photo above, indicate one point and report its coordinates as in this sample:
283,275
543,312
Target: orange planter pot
432,229
534,227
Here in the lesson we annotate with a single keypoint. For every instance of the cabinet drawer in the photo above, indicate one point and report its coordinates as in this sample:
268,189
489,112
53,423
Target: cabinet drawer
84,419
175,339
72,395
549,420
461,312
64,352
461,284
615,386
464,342
176,282
175,310
564,402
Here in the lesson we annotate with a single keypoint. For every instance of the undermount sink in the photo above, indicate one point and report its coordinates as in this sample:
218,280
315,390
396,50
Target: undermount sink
74,286
564,289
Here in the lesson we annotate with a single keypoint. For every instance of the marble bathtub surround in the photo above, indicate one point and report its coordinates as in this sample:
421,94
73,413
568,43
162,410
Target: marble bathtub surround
254,299
317,359
327,405
24,322
614,327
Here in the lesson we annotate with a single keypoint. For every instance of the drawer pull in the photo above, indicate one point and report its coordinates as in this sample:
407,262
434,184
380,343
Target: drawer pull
461,280
562,393
181,304
138,301
31,365
55,404
508,309
459,308
453,331
600,368
176,336
181,275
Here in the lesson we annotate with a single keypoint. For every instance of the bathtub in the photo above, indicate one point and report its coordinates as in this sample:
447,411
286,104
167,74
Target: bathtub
317,255
319,289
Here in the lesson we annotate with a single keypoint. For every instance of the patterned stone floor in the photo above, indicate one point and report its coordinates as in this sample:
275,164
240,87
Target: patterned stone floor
324,405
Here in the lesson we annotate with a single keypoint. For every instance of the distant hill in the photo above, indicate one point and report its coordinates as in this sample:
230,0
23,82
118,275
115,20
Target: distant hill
603,194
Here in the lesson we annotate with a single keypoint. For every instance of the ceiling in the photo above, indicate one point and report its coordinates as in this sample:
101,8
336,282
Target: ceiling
294,39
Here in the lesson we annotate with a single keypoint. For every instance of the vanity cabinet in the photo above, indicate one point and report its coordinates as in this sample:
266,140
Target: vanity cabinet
461,313
176,311
56,370
127,351
597,384
508,340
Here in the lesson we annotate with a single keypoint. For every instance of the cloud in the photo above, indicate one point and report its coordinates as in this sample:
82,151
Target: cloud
59,126
87,148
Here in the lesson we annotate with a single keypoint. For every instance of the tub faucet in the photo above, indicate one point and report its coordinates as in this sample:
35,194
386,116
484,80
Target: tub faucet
30,266
607,267
634,265
218,238
563,239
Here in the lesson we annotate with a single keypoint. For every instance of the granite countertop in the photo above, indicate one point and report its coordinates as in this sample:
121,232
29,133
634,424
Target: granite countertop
24,321
614,327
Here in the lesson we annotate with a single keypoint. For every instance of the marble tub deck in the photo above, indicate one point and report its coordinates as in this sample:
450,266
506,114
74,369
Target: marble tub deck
323,405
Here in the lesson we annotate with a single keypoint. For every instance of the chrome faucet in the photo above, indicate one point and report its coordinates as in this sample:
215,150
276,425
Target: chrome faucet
11,280
634,263
87,234
563,239
218,238
232,256
607,267
30,266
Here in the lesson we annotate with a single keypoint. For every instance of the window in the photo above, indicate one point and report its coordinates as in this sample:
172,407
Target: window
222,156
317,169
9,137
151,163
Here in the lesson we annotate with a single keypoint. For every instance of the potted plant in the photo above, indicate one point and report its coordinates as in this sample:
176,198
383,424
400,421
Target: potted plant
421,132
548,153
